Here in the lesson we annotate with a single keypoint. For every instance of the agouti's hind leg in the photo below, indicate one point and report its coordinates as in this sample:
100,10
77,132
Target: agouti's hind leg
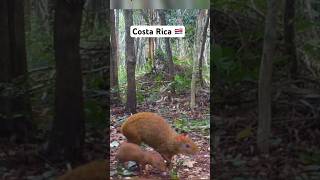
133,137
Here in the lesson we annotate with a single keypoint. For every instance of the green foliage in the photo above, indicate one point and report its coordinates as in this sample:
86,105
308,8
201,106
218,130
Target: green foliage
186,125
140,97
140,93
91,29
190,30
303,24
310,157
39,45
312,48
154,95
94,113
97,82
182,125
183,62
148,67
239,5
174,174
181,82
122,75
159,53
229,67
159,78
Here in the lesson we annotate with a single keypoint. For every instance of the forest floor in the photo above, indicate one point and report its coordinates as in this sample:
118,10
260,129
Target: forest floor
26,162
295,144
188,167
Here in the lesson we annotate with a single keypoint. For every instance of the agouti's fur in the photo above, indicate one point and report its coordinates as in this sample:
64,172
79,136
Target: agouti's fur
154,131
95,170
133,152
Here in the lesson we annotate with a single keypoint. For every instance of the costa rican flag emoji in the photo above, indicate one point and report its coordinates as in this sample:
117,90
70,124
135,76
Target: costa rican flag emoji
178,31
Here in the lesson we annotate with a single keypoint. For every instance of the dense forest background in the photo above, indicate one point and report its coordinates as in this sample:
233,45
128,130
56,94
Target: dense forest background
265,89
53,85
168,76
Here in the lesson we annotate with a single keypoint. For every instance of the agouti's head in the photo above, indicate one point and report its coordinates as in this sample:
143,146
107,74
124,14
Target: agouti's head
159,164
185,144
157,161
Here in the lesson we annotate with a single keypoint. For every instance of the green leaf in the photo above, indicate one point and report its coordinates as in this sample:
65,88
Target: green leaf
245,133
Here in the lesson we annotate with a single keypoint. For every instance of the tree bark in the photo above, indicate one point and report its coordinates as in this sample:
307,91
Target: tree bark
68,131
168,47
15,109
131,64
196,57
27,15
114,59
289,37
265,78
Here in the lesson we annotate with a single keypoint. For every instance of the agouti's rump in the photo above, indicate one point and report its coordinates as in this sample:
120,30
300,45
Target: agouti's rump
95,170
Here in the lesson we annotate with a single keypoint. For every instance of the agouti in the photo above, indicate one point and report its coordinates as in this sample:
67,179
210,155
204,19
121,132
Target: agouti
95,170
154,131
133,152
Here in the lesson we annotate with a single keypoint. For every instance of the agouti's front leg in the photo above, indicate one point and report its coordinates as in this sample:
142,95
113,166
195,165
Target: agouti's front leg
168,159
142,167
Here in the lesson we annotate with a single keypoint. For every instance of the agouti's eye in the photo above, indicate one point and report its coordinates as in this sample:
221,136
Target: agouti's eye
187,145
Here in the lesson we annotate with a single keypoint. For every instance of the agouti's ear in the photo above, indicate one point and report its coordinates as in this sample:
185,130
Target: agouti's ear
180,137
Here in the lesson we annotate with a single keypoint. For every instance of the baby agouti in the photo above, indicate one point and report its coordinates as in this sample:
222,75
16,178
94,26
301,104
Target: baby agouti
154,131
133,152
95,170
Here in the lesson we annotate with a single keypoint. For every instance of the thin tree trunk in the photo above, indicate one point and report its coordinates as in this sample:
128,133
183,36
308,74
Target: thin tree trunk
311,18
168,47
204,38
265,78
196,56
114,59
131,64
152,40
118,35
27,15
68,131
289,36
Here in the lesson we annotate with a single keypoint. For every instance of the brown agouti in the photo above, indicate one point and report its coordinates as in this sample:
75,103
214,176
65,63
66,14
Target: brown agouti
133,152
154,131
95,170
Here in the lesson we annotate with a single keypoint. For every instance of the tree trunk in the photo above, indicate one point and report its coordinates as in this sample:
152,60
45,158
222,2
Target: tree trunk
289,37
168,47
68,131
196,56
131,64
90,15
148,17
101,14
51,6
114,59
204,38
118,40
265,77
311,17
43,11
27,15
15,109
